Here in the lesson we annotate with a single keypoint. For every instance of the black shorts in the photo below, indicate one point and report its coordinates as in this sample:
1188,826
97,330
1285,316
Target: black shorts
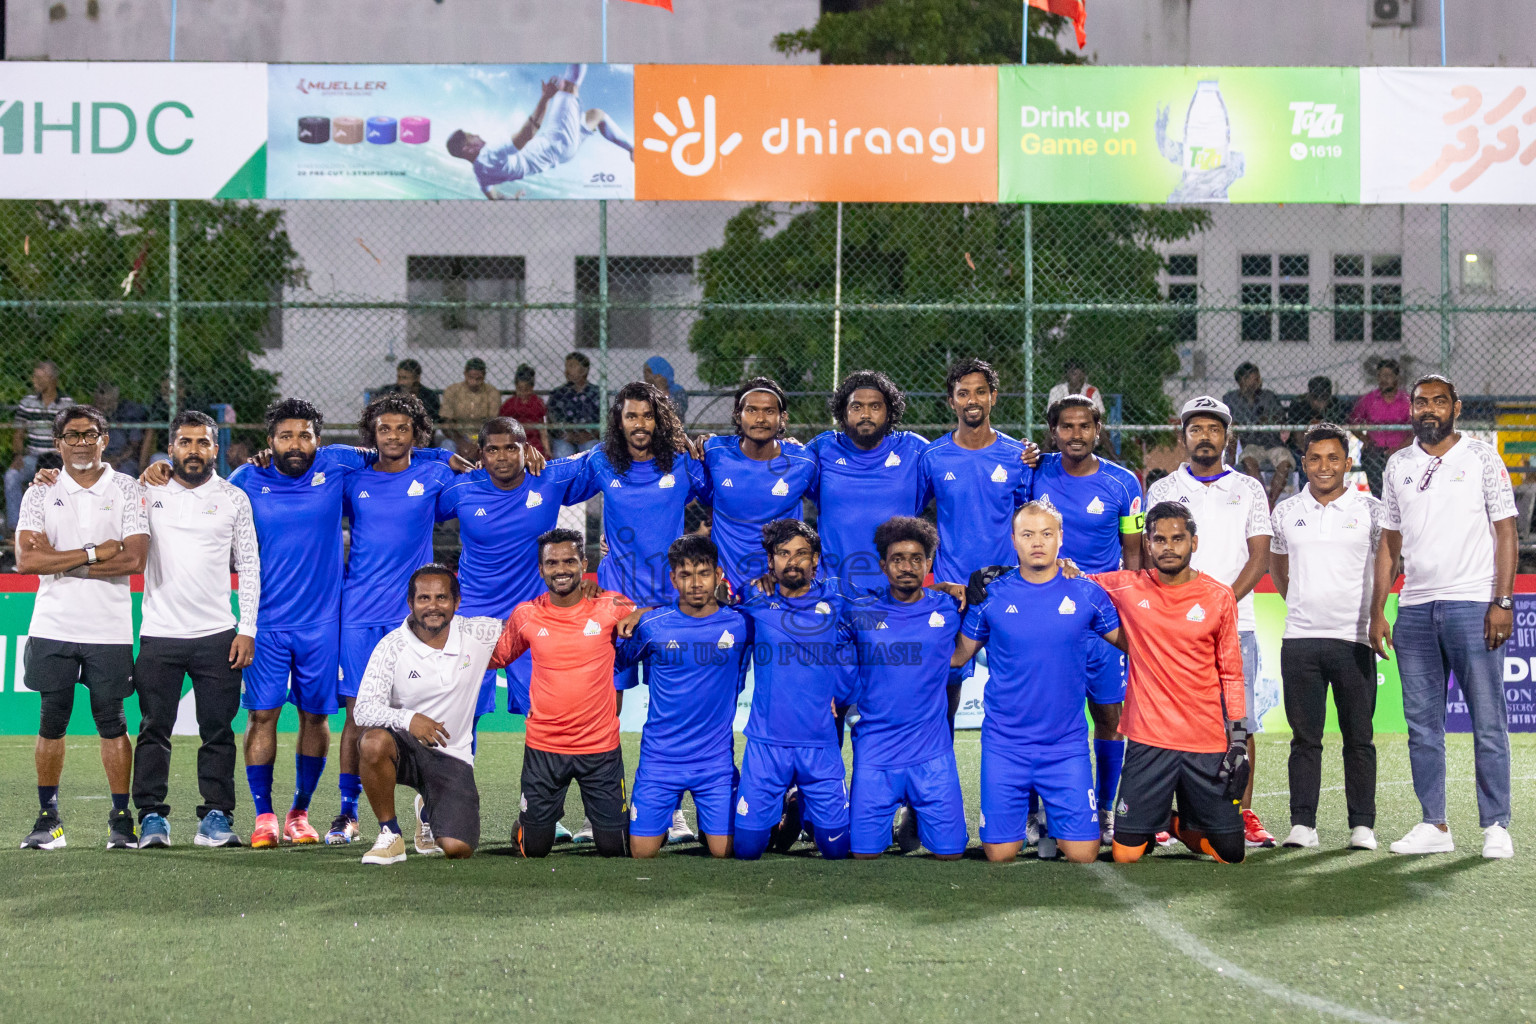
1154,776
105,669
547,777
446,785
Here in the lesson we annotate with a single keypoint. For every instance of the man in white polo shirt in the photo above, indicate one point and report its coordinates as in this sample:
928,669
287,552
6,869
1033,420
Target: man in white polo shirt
1451,523
1323,561
84,535
416,707
200,525
1233,512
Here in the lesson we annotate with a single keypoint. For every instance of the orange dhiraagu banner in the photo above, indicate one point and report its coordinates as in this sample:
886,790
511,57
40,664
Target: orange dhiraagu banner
816,133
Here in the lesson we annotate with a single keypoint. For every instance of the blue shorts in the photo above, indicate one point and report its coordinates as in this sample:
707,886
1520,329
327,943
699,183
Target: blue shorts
659,788
519,678
310,656
767,772
357,644
1106,672
933,790
1063,777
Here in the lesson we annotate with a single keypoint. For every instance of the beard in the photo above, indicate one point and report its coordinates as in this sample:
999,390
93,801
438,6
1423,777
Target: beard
194,476
1430,430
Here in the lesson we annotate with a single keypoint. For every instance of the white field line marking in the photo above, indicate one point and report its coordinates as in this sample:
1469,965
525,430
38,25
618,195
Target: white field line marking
1392,782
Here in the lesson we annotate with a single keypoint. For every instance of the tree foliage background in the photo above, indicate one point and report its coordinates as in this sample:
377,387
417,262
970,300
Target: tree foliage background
940,253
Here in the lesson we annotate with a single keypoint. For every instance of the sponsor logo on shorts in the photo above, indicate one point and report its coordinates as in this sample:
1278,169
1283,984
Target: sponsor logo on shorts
1123,808
741,806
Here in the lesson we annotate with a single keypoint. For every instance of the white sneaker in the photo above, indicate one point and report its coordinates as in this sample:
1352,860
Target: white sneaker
389,848
1034,828
1424,838
1362,838
1047,848
426,842
584,834
1496,843
1301,836
680,832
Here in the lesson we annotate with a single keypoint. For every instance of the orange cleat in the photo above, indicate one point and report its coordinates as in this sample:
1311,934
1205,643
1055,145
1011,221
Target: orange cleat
1254,832
298,830
265,833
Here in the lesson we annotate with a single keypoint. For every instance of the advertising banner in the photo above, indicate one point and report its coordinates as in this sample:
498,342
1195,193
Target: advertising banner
1447,135
450,131
816,133
131,130
1178,135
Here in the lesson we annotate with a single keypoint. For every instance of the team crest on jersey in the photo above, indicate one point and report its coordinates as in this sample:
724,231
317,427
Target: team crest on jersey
1135,505
822,608
535,499
726,641
1235,499
1096,506
1196,614
781,488
667,481
542,632
892,460
949,476
1459,477
106,506
1353,524
479,511
465,662
1067,607
415,490
999,475
591,628
211,510
317,479
936,620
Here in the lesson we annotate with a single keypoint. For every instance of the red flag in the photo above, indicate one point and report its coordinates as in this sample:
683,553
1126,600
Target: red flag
1073,9
665,5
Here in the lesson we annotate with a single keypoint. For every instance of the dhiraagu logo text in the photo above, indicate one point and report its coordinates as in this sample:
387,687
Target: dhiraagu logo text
679,143
98,127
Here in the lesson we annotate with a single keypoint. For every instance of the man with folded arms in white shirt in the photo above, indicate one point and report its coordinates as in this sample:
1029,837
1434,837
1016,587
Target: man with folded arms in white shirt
199,526
416,707
1451,525
1322,559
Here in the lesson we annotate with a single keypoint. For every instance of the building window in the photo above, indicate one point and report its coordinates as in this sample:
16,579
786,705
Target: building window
1266,279
636,280
1379,276
464,279
1184,290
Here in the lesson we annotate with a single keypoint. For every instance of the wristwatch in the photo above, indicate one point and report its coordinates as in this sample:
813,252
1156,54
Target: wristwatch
90,553
1505,603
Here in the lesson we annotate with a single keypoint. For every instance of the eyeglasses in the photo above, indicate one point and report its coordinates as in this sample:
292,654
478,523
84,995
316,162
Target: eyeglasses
1429,474
82,437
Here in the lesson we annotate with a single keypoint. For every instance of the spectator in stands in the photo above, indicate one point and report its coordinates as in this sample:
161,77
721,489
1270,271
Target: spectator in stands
408,382
660,375
238,453
1251,403
575,401
1153,476
1318,405
160,412
528,409
1076,384
33,435
123,443
1387,404
466,405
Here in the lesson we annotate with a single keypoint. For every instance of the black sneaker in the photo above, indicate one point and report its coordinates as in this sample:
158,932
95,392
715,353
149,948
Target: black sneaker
120,835
783,836
47,833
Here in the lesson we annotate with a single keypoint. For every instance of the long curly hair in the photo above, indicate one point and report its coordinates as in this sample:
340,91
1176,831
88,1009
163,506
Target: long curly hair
664,441
395,404
895,401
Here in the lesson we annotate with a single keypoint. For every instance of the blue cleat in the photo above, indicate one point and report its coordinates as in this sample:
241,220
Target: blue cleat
563,834
154,830
215,830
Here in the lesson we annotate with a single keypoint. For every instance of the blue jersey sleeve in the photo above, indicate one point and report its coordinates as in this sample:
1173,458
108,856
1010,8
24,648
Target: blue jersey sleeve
635,649
1024,491
699,486
1105,618
924,481
447,503
745,661
588,479
975,624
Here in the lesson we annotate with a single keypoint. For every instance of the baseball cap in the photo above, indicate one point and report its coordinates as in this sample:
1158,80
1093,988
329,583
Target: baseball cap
1205,405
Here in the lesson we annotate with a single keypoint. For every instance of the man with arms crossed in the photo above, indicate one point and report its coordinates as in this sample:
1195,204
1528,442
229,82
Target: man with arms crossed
696,654
573,724
416,707
1323,559
1451,525
1232,509
84,535
1036,625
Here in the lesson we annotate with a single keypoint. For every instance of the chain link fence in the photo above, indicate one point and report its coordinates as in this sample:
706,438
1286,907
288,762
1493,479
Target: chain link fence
224,306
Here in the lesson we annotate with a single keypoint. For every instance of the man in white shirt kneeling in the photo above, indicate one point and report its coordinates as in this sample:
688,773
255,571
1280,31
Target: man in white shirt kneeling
416,707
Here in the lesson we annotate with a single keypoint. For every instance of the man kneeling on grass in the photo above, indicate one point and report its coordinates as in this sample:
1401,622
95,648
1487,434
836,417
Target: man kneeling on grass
416,707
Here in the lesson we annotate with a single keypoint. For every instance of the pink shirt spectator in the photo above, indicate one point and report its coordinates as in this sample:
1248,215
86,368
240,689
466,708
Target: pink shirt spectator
1372,408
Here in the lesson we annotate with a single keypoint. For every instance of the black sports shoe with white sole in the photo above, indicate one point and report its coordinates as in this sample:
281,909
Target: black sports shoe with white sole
47,833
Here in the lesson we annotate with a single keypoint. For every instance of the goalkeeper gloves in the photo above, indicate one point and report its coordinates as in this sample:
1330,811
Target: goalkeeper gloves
1235,766
976,589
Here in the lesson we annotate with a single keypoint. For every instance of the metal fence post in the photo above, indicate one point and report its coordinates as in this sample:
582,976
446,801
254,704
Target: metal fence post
837,303
173,318
1029,321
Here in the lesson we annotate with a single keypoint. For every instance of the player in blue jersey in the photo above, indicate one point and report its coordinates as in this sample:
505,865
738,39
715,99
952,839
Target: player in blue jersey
696,654
757,477
902,747
1101,509
1036,625
392,506
297,505
802,667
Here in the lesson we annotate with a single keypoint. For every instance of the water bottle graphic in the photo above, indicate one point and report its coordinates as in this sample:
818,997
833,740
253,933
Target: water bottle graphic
1208,163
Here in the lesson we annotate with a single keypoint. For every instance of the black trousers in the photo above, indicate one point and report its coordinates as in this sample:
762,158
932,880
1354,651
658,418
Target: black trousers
158,676
1308,667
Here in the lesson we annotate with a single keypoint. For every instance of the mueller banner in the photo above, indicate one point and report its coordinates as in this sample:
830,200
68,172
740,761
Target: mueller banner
1448,135
816,133
450,131
1178,135
132,130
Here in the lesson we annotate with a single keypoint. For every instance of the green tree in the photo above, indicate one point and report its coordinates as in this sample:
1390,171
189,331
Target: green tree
934,254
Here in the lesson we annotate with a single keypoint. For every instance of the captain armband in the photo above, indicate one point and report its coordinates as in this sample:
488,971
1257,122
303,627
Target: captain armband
1134,524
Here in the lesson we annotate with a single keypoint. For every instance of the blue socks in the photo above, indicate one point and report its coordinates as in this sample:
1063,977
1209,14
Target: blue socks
307,771
392,825
119,801
48,798
259,778
1108,760
351,787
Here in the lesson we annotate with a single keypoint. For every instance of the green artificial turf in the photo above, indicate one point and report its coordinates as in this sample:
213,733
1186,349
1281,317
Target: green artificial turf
310,934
